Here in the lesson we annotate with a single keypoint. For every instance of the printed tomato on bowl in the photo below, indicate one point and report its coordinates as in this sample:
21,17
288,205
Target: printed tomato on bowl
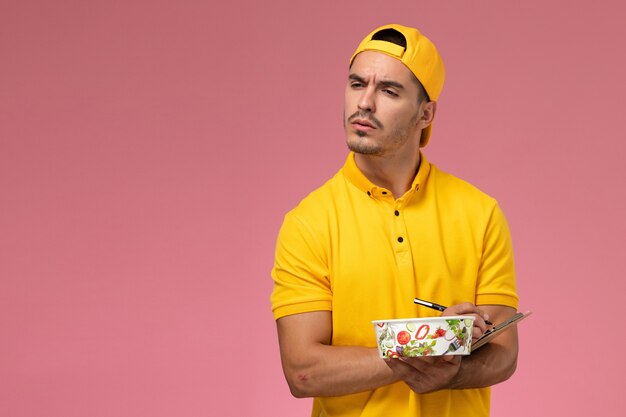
428,336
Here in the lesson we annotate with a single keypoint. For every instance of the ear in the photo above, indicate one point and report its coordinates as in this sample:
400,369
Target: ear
428,113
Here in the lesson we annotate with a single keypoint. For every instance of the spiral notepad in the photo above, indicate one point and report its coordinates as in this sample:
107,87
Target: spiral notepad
490,334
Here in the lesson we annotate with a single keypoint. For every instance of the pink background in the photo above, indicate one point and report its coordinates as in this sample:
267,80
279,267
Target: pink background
149,150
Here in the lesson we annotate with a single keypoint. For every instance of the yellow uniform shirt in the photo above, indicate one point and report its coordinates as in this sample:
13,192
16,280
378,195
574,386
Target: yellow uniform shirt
351,248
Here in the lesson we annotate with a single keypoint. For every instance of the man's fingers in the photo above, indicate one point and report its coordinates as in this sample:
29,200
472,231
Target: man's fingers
425,374
465,309
480,326
419,362
480,323
451,358
401,368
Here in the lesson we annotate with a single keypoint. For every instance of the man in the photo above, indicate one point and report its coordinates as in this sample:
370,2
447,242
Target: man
387,228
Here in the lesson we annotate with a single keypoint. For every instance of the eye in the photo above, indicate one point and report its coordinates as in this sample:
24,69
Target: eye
390,93
356,84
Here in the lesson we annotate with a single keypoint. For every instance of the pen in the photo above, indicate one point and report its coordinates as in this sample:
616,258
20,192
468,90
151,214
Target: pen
437,307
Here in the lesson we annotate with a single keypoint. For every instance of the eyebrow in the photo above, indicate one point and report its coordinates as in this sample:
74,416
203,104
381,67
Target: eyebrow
385,83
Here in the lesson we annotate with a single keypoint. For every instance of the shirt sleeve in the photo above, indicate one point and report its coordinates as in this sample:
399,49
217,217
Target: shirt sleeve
496,275
300,272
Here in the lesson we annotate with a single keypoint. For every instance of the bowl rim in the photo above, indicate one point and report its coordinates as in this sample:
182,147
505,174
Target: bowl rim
425,319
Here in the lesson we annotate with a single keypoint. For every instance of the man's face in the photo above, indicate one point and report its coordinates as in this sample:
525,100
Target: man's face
382,112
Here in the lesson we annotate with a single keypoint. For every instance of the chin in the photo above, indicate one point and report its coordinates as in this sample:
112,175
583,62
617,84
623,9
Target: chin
362,147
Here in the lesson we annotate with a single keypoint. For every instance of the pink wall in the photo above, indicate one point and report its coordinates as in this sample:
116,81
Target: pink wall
149,149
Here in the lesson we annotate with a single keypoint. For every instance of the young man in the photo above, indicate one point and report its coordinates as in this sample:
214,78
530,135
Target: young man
387,228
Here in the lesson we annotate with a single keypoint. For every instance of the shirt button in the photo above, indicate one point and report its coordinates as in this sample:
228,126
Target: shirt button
397,213
385,192
368,193
400,239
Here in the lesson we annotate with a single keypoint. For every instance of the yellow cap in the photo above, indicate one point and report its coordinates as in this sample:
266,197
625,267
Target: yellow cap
420,56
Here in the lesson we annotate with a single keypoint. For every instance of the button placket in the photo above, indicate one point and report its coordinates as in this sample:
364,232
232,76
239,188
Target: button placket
399,233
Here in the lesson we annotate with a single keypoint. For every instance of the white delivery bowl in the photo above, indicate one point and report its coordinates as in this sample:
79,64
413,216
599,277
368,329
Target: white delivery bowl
428,336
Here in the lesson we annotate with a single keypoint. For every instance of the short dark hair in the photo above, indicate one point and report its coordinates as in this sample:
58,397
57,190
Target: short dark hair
390,35
395,37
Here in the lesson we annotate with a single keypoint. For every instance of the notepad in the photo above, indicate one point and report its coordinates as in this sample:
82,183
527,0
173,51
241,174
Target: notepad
496,330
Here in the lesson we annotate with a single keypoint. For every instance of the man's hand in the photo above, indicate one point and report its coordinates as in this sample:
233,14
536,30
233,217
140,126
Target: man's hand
426,374
464,309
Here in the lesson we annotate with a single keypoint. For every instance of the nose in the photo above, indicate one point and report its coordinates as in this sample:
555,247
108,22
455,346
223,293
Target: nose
367,101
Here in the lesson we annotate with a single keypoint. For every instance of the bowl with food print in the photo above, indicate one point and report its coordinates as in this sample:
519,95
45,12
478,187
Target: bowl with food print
428,336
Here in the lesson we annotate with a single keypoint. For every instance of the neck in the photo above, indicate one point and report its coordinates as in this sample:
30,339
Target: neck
395,173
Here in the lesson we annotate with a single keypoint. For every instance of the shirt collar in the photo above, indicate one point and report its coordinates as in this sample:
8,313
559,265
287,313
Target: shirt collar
357,178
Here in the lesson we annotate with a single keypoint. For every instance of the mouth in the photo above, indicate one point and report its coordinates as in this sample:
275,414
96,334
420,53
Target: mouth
362,125
363,122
